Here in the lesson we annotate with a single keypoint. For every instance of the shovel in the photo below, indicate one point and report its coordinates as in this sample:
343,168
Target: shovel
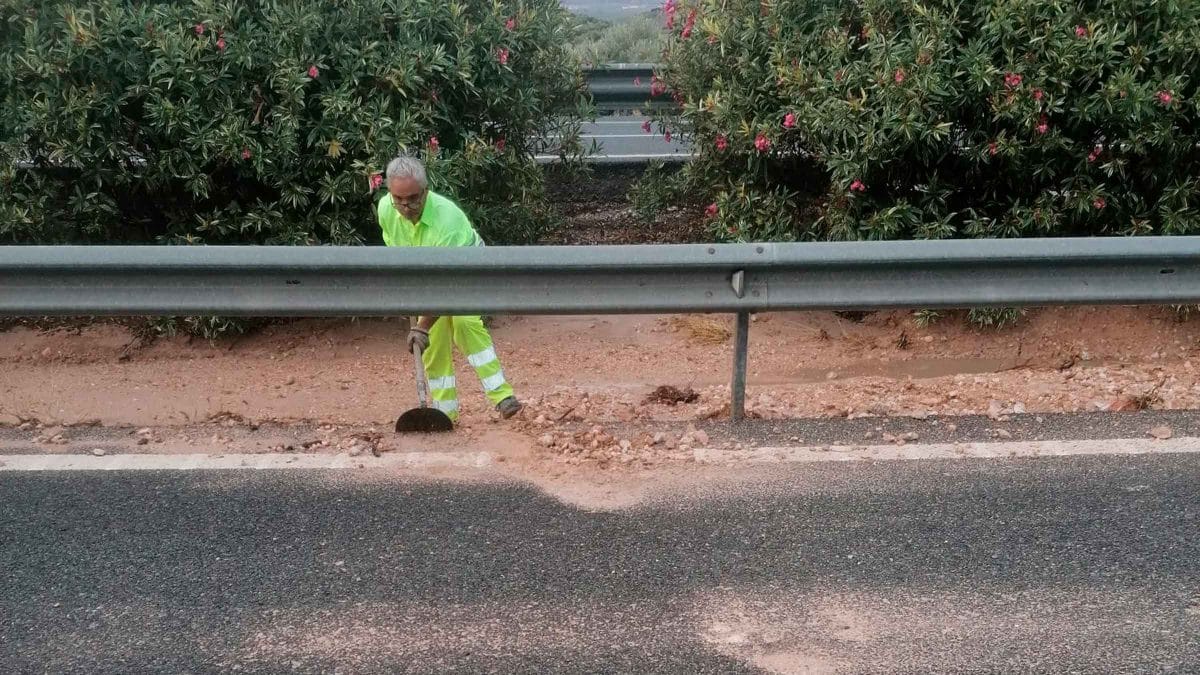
422,419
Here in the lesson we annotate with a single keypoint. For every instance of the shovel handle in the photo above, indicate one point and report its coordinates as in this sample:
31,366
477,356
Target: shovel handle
422,383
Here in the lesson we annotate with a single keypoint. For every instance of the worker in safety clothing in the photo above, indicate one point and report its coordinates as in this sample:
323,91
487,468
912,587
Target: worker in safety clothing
413,215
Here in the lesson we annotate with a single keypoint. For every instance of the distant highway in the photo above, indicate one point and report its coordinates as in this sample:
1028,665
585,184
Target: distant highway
622,139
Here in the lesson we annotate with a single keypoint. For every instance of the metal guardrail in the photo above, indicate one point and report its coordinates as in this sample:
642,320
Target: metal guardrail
737,278
624,86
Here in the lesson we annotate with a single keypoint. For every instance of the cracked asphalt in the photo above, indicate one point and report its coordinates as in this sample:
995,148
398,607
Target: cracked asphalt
1074,564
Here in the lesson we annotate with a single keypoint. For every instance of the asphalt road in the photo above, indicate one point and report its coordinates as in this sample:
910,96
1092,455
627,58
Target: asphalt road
1082,564
623,140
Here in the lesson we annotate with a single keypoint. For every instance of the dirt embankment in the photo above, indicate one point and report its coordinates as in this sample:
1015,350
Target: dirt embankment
584,377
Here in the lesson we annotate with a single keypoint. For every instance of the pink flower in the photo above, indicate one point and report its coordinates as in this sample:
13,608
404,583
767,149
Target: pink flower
656,86
511,24
712,39
376,181
900,75
646,126
1043,125
789,120
502,56
246,153
1081,31
313,72
221,44
501,144
434,144
1099,203
667,135
199,29
1093,156
993,148
689,24
637,81
433,96
1165,97
762,143
1013,80
1038,94
722,142
711,211
857,186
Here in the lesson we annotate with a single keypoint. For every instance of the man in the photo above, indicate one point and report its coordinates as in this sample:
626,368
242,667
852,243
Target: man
412,215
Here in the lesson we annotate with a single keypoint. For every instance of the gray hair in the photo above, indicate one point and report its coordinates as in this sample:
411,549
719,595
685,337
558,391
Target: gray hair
408,167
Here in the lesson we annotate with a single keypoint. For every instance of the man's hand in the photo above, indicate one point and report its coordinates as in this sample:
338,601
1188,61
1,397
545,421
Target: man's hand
418,337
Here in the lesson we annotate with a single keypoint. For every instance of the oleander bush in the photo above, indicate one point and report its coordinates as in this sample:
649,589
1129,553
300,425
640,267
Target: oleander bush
895,119
225,121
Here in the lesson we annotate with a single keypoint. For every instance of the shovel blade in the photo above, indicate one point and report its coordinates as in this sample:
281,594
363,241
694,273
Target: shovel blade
423,421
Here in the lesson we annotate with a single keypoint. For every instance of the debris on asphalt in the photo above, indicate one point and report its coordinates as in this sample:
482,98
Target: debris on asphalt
1162,433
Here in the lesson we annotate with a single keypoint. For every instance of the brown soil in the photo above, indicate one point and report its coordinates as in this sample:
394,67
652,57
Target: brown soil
672,395
618,224
578,374
591,215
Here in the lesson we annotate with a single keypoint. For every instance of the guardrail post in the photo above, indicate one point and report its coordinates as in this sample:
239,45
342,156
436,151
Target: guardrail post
740,347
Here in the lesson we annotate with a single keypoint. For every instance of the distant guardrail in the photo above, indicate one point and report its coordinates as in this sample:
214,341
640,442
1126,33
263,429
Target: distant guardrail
624,86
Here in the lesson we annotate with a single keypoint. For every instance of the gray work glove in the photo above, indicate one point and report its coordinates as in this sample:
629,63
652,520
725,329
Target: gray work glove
418,337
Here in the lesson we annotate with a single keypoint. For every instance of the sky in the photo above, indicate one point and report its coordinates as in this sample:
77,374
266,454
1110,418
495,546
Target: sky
610,9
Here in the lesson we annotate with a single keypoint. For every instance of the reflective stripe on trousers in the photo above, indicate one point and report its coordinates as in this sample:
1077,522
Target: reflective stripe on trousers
472,338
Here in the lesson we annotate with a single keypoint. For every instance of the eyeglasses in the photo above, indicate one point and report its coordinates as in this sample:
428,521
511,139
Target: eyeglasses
407,200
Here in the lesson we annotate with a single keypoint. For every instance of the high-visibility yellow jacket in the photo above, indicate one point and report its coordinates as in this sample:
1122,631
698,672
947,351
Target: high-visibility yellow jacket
442,223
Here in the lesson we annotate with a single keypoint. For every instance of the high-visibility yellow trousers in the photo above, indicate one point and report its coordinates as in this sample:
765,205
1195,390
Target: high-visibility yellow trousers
473,340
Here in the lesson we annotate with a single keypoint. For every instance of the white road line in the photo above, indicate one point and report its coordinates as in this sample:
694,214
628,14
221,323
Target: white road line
198,462
996,450
858,453
645,156
641,134
655,156
649,137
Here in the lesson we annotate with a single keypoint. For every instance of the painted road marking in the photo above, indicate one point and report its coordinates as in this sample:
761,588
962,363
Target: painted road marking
849,453
200,462
999,450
